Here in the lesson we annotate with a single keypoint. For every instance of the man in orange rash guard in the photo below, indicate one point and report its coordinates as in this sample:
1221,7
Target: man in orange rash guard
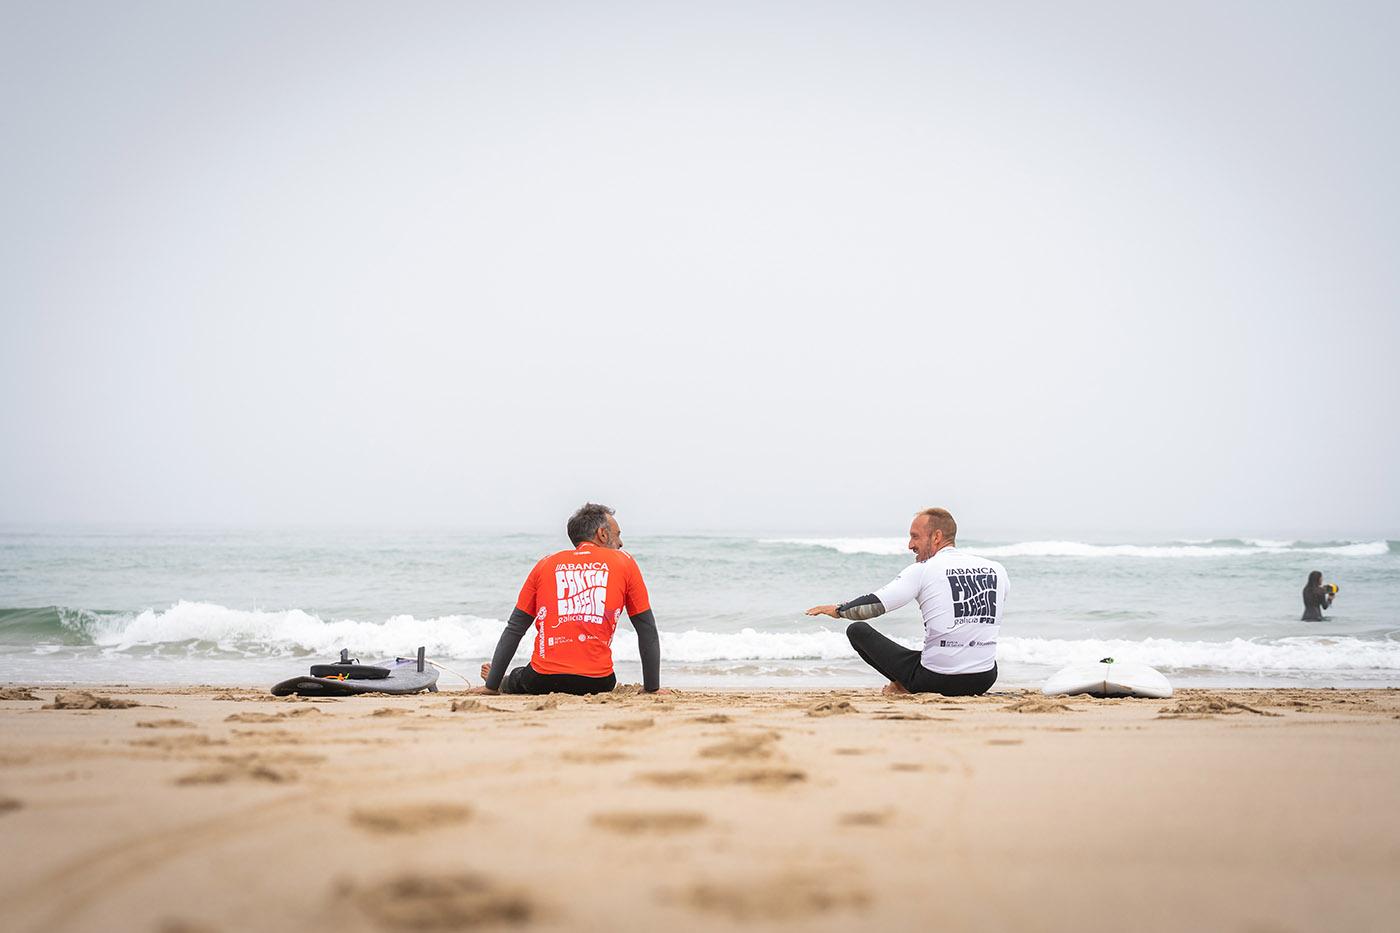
575,599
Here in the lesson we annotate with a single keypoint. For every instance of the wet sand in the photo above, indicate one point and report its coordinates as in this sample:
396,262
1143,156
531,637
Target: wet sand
208,809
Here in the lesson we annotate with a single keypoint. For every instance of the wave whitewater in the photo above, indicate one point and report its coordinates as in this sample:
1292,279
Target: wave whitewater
208,629
1214,547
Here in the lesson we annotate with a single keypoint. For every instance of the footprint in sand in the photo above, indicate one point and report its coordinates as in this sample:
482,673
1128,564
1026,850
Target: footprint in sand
756,745
175,743
1004,741
589,757
185,926
849,751
1039,705
767,778
831,708
273,717
714,718
456,901
906,766
865,818
779,897
81,700
229,769
628,725
1207,705
657,822
164,724
413,818
9,804
265,736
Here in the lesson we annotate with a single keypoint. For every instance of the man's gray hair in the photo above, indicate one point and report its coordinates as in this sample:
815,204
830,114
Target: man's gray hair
587,520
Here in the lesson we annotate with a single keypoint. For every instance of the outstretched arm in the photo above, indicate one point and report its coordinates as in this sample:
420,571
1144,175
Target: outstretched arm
649,647
855,610
892,595
516,627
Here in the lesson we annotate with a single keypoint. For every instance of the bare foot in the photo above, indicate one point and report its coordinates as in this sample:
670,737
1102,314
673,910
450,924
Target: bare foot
894,689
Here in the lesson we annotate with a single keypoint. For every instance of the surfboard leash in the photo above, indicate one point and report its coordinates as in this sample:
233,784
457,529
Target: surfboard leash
444,667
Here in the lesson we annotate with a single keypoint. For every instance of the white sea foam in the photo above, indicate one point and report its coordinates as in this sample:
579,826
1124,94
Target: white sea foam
205,627
1245,548
294,632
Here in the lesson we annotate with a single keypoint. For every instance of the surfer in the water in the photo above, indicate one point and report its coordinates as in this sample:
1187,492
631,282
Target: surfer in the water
575,599
961,597
1317,596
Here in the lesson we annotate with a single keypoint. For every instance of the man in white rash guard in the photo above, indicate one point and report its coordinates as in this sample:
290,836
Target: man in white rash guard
961,597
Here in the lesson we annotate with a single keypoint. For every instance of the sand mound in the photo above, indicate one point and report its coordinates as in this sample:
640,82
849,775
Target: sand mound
473,706
16,693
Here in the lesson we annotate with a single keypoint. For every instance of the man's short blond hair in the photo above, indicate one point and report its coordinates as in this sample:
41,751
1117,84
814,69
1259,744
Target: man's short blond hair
942,520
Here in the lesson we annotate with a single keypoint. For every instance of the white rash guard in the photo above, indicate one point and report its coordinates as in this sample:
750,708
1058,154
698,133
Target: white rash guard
961,597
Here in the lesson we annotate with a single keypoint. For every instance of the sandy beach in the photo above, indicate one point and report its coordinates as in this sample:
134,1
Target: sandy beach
208,809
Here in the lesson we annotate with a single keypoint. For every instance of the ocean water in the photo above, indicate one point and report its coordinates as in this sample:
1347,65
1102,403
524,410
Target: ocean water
252,607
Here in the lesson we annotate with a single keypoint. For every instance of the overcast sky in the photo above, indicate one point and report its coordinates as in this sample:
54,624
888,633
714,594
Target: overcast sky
1068,269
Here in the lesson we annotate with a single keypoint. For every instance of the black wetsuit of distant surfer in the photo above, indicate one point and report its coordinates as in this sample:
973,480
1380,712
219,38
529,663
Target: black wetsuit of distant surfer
1316,598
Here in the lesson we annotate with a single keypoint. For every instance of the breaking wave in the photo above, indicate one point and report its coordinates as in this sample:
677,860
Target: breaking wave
211,630
1213,547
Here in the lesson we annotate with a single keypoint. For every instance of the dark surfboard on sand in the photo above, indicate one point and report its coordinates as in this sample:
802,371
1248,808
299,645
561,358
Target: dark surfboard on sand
399,676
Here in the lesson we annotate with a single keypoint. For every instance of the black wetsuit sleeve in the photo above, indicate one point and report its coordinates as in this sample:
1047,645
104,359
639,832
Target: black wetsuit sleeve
516,627
649,647
861,608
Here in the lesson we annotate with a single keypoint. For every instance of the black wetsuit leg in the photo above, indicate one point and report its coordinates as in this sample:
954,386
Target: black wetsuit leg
528,680
905,666
894,661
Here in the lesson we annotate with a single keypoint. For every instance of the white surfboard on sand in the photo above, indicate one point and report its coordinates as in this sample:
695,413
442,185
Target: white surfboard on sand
1109,678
